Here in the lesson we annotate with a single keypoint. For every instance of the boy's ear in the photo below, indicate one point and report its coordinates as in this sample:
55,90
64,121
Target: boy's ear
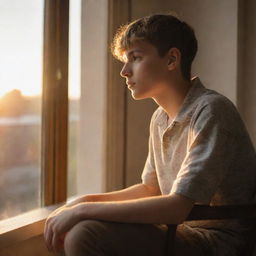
173,56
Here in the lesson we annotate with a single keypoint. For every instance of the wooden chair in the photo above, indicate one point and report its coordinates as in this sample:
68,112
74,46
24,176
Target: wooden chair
205,212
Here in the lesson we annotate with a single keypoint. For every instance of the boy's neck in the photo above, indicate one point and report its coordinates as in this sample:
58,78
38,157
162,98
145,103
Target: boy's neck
171,100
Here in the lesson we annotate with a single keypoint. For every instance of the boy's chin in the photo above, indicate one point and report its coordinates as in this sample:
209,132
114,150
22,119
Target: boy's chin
138,96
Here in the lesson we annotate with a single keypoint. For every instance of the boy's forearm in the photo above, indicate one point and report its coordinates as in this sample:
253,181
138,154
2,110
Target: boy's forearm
156,209
133,192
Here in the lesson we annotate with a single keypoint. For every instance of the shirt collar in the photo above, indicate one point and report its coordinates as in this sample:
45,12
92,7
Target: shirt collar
186,110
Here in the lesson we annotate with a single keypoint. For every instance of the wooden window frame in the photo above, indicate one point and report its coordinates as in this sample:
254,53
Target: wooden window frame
55,102
119,12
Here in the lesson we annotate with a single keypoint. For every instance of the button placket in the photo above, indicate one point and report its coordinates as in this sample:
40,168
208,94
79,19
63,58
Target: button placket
168,130
166,138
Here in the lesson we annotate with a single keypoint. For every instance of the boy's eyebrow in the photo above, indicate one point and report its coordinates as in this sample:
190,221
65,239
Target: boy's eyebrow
128,54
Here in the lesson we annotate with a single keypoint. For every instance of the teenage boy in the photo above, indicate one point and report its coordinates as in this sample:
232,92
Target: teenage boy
199,152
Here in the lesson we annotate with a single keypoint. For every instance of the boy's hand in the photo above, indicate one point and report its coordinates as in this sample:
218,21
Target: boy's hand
57,225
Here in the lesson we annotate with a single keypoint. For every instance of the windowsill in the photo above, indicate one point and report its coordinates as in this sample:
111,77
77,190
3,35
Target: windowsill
24,226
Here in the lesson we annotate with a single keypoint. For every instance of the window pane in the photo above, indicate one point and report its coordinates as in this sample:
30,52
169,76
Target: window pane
21,48
74,93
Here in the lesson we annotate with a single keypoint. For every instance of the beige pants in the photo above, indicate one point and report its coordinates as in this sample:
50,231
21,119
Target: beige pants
98,238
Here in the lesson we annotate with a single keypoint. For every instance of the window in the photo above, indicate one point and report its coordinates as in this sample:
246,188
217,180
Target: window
33,104
65,163
21,52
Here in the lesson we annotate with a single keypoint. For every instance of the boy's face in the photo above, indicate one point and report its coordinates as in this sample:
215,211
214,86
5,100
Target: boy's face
145,71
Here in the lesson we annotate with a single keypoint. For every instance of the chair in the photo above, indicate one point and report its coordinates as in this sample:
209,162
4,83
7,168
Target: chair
205,212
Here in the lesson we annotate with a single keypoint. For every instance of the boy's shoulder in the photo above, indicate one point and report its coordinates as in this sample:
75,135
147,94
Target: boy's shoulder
202,103
212,104
214,109
207,100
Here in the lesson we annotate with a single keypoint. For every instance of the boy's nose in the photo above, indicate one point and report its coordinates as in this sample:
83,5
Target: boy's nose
126,71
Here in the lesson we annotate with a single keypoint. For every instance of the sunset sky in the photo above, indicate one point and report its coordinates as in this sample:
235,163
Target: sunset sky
21,48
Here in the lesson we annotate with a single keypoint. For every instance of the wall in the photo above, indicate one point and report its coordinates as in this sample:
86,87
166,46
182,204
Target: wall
217,25
248,65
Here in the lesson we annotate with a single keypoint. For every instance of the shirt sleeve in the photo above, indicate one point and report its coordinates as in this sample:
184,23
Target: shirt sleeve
208,159
149,176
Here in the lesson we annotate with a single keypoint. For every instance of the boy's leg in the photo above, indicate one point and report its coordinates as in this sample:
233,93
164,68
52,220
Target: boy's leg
98,238
191,241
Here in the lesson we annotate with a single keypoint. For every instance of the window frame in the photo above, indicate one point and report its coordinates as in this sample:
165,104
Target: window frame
55,103
119,12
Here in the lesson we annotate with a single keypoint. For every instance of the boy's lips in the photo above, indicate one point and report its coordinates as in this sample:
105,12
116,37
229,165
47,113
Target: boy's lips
130,84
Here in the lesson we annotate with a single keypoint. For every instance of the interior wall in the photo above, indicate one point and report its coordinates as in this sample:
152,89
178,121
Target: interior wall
216,63
248,80
91,163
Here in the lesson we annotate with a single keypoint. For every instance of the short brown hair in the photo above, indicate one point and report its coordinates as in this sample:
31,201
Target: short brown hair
164,31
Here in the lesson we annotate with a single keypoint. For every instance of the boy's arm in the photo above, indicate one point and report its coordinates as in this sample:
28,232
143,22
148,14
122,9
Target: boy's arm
168,209
164,209
132,192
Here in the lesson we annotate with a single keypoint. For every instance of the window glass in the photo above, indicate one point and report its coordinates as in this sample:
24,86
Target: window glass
21,51
74,93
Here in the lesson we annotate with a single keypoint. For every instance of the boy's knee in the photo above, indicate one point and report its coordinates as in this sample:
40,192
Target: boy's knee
83,238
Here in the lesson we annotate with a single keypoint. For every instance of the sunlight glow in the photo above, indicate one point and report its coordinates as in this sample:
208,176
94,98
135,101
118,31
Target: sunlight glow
21,49
21,46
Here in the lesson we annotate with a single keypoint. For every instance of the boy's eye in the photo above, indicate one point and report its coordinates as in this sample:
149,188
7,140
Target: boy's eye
136,58
133,58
